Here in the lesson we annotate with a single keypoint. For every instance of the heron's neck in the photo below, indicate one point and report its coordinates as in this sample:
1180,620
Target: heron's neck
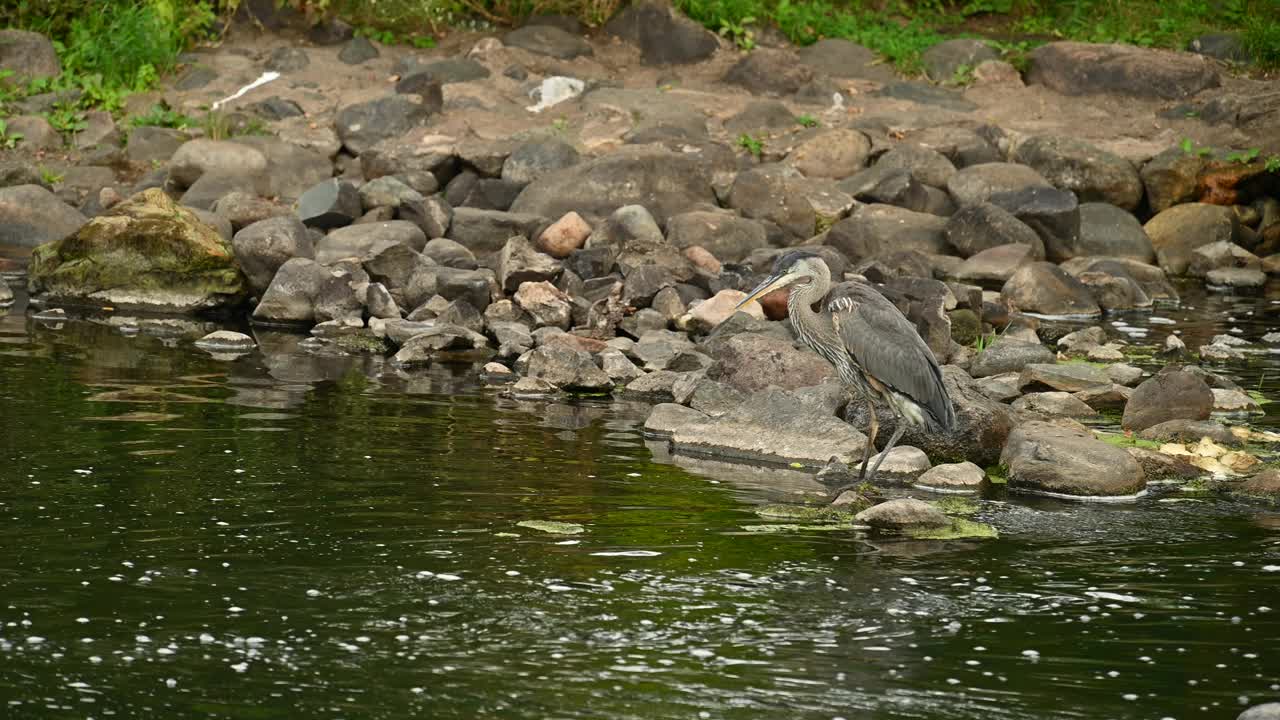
809,325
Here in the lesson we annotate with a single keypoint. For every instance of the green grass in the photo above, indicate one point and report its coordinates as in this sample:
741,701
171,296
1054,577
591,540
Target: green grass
751,144
1120,440
8,140
807,121
161,115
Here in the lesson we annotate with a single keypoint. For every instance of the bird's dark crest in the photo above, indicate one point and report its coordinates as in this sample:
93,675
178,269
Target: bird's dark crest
788,259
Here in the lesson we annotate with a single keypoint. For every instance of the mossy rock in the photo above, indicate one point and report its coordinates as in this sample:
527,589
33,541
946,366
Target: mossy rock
960,529
807,514
966,327
147,253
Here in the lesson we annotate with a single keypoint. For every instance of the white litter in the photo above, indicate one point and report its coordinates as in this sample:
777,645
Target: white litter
553,91
263,79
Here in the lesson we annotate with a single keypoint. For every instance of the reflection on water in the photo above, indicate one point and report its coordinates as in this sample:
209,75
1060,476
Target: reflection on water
290,534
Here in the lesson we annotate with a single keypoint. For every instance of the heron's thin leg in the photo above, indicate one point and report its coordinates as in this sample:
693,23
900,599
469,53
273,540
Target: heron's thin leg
893,440
873,427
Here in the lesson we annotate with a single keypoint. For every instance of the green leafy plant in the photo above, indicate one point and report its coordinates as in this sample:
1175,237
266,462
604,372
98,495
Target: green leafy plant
1272,164
739,31
1244,157
66,118
751,144
50,177
161,115
1189,147
8,140
422,42
807,121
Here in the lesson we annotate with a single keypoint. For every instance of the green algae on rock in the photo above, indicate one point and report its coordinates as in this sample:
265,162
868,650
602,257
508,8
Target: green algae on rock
147,253
959,529
552,526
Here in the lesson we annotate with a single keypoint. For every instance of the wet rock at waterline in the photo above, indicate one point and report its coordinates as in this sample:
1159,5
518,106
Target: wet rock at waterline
145,253
1172,394
1045,288
772,425
1047,458
903,515
226,341
261,248
952,477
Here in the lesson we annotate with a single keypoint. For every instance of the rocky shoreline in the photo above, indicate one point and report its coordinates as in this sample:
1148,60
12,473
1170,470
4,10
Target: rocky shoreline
429,210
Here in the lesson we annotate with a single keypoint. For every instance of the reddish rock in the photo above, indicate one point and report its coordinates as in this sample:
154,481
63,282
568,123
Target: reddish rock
702,259
564,236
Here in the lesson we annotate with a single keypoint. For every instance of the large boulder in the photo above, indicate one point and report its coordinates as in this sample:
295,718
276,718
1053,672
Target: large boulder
1075,68
774,194
994,266
772,425
1042,457
663,35
261,248
633,239
836,153
363,240
1053,214
729,238
767,71
146,253
199,157
304,292
1092,173
664,182
874,230
548,40
1171,178
982,226
1009,356
362,125
926,165
1046,289
749,361
1178,231
1107,230
519,262
29,55
567,368
1171,394
30,215
977,183
944,61
840,58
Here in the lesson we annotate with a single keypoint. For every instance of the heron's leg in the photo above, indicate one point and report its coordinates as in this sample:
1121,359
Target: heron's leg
893,440
873,427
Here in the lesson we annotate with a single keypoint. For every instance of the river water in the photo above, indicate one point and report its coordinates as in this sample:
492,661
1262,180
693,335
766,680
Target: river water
302,535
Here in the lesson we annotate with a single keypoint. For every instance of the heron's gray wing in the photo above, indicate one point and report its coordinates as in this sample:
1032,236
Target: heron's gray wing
887,346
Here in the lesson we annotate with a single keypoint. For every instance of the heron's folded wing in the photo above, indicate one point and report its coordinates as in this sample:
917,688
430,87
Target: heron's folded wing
887,346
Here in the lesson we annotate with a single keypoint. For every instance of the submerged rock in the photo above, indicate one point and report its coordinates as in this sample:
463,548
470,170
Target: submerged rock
1048,458
226,341
147,252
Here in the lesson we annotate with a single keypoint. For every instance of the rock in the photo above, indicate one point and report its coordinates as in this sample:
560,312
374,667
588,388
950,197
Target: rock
519,263
633,238
876,230
840,58
1266,485
760,116
532,160
146,144
448,70
994,265
766,71
664,36
362,125
903,515
952,477
903,461
665,183
424,84
1236,277
1067,377
1008,356
1234,401
288,60
836,153
6,294
665,418
567,369
1220,353
944,61
1124,374
977,183
358,50
655,387
330,204
727,237
927,166
387,191
1053,214
1172,177
276,108
619,367
380,303
564,236
305,292
1171,394
1092,174
658,348
261,248
449,283
1109,231
925,94
30,215
547,40
1149,278
1221,255
548,306
1044,288
753,362
443,343
29,55
1054,404
1184,431
773,194
35,132
1046,458
363,241
772,425
1074,68
982,226
147,252
100,130
226,341
1175,233
1116,291
242,209
711,312
485,231
292,169
1081,341
219,157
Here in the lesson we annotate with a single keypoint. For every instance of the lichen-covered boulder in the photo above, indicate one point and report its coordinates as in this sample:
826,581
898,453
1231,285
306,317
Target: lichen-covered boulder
146,253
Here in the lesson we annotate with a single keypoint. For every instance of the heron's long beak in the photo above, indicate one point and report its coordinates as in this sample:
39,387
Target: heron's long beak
769,285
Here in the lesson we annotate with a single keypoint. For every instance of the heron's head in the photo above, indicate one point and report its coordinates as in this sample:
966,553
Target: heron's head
798,267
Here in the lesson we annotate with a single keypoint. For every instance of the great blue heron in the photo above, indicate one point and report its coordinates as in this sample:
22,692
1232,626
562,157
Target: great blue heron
873,346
